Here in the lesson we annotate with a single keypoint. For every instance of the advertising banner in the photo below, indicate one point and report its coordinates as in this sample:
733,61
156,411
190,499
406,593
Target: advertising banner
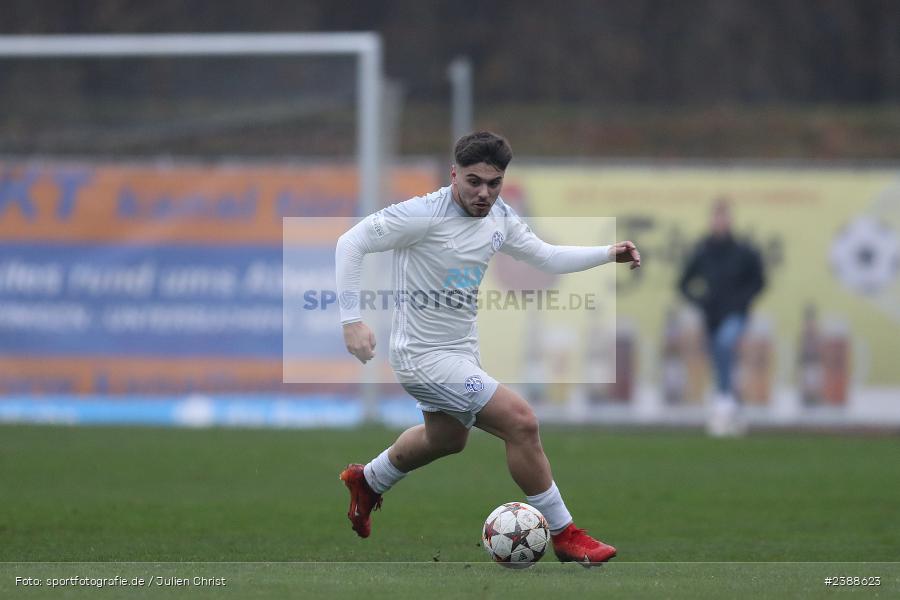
829,316
162,279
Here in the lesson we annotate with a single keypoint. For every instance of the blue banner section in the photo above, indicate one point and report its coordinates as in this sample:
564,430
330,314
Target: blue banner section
161,301
252,410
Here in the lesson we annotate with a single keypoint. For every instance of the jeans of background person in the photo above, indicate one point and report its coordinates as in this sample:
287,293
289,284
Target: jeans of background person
723,343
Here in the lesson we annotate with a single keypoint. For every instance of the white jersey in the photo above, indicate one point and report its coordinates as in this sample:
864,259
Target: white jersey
440,257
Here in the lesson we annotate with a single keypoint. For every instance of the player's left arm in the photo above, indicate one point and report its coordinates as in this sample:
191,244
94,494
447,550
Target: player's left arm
523,244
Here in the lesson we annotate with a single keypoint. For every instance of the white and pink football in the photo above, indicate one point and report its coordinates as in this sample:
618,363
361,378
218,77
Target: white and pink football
516,535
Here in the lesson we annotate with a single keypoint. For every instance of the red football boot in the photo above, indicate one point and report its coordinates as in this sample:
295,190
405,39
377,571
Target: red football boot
363,499
573,544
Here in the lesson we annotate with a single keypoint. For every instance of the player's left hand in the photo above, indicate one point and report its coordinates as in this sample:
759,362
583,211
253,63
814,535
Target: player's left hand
623,252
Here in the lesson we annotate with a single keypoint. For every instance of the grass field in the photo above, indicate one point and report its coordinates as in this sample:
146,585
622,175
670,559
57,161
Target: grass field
768,515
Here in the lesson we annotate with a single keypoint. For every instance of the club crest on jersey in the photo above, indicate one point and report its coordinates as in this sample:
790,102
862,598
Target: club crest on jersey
474,383
496,240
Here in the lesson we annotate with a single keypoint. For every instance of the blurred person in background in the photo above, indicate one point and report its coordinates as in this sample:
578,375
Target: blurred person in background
722,277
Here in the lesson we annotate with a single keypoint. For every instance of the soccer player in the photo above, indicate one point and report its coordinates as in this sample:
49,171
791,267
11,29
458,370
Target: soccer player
442,244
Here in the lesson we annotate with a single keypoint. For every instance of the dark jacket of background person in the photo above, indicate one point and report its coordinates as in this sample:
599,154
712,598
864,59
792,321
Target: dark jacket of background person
722,277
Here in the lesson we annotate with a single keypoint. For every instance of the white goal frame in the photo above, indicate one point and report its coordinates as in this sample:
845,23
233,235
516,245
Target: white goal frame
366,46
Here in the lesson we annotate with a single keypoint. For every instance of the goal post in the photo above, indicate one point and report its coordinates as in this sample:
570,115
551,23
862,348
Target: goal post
366,148
366,46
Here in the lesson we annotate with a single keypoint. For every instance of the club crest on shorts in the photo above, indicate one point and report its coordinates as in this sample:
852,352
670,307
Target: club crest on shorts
496,240
474,383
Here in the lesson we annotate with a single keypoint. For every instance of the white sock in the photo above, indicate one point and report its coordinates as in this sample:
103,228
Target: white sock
551,505
381,474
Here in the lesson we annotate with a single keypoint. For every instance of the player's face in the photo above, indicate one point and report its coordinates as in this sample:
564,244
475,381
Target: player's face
476,187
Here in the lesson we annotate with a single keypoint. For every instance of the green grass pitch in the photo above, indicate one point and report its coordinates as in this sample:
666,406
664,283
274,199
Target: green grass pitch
692,517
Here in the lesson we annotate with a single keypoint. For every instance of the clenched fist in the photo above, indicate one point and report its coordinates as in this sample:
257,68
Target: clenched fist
360,341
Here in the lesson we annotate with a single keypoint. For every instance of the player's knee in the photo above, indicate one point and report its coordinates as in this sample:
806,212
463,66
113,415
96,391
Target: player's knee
455,445
524,424
449,445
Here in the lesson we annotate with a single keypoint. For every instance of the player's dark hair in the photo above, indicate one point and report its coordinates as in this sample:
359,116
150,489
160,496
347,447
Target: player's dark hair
482,146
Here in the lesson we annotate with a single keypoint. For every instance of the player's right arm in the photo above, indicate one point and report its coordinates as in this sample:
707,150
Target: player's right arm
397,226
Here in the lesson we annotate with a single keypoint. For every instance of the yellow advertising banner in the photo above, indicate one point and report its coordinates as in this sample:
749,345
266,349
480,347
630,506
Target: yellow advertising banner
828,239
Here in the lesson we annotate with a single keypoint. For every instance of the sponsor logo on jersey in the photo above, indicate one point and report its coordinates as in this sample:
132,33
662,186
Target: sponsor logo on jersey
474,383
496,240
465,277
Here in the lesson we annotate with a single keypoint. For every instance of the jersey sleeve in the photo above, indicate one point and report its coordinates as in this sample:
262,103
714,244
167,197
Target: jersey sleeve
522,244
397,226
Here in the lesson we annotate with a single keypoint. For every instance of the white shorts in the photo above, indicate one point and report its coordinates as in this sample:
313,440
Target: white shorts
450,383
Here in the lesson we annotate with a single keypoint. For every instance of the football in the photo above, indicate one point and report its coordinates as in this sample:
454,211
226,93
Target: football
515,535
